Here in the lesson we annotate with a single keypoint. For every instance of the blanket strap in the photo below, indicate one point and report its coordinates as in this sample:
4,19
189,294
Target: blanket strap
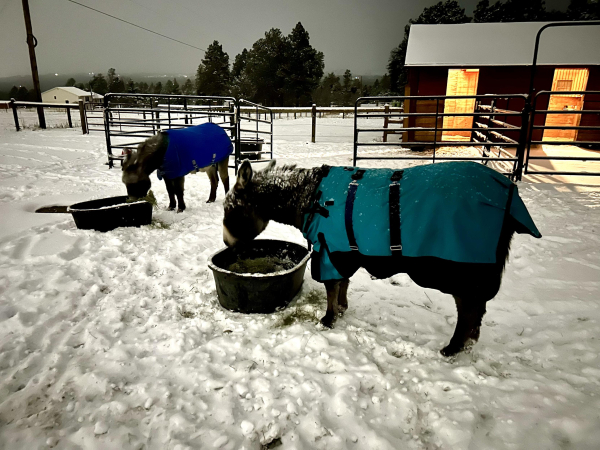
315,208
350,207
395,237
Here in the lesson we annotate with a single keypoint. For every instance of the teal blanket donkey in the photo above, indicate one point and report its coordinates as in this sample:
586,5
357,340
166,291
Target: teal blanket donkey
452,212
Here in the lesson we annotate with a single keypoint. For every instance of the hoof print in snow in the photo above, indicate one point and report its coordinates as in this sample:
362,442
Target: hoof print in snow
101,427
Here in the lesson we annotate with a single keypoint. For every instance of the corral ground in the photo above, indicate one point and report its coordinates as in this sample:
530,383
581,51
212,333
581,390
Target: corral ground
117,340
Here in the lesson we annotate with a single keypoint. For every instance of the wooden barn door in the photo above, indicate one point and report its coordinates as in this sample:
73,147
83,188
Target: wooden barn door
566,80
460,82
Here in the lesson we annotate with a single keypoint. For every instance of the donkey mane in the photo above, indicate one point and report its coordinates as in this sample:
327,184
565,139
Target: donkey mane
285,193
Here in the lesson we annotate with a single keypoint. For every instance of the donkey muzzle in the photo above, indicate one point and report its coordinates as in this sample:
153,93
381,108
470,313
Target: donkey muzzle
139,189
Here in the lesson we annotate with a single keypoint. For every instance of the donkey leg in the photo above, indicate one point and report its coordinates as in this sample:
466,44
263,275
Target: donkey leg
223,168
333,292
214,182
178,185
171,191
343,296
470,314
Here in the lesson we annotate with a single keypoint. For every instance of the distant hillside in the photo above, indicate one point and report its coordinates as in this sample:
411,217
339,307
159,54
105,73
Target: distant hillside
49,81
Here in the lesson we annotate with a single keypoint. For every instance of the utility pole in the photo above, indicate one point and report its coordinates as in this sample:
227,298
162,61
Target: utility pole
32,43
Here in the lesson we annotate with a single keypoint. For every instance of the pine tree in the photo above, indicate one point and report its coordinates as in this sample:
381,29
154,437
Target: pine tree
239,64
22,94
131,89
347,88
13,92
265,68
213,76
329,91
188,87
70,82
176,90
447,12
142,87
241,84
303,67
158,88
110,79
168,89
513,11
583,10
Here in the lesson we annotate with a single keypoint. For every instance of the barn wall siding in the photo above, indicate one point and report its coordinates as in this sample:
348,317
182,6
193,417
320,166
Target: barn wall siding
503,80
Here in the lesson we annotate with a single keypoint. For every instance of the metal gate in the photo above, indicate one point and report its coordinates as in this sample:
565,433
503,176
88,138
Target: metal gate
94,116
492,133
551,142
255,133
129,119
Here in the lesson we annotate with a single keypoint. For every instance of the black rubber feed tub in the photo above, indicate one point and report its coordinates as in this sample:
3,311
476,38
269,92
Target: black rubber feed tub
251,149
258,293
106,214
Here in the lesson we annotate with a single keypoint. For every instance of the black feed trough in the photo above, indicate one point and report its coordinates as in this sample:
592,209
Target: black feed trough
106,214
259,292
251,149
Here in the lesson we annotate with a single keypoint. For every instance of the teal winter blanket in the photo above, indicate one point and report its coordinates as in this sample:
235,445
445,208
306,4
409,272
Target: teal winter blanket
452,211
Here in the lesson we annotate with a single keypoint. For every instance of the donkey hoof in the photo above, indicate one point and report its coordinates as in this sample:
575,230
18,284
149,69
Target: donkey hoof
210,200
180,210
450,350
171,208
327,322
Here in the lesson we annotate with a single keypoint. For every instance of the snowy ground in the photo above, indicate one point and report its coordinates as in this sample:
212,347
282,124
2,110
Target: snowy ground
117,340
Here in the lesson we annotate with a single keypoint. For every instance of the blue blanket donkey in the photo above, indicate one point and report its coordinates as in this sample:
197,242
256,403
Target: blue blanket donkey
174,154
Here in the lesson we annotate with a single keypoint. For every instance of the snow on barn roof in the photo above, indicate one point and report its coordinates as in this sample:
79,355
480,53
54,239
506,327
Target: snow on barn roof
76,91
501,44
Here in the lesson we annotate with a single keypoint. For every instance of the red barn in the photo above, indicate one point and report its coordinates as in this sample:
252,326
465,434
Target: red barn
496,58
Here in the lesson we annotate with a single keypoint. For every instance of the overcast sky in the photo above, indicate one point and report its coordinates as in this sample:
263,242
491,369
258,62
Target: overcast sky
353,34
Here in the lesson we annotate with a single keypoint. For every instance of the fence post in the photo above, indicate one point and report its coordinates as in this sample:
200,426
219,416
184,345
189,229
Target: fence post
386,121
82,117
525,137
15,115
314,121
69,115
152,112
232,122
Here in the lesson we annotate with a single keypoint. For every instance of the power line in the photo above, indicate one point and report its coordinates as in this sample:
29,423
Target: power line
133,24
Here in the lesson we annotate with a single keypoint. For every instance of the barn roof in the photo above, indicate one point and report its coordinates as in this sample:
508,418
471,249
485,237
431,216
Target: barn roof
501,44
76,91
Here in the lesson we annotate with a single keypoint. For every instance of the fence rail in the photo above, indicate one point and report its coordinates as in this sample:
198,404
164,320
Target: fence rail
14,105
136,117
499,128
428,124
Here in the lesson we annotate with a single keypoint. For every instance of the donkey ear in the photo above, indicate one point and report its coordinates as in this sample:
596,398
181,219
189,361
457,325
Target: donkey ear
244,174
128,157
270,166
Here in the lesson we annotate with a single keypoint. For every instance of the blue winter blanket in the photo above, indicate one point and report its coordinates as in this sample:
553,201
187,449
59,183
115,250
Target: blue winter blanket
453,211
194,148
